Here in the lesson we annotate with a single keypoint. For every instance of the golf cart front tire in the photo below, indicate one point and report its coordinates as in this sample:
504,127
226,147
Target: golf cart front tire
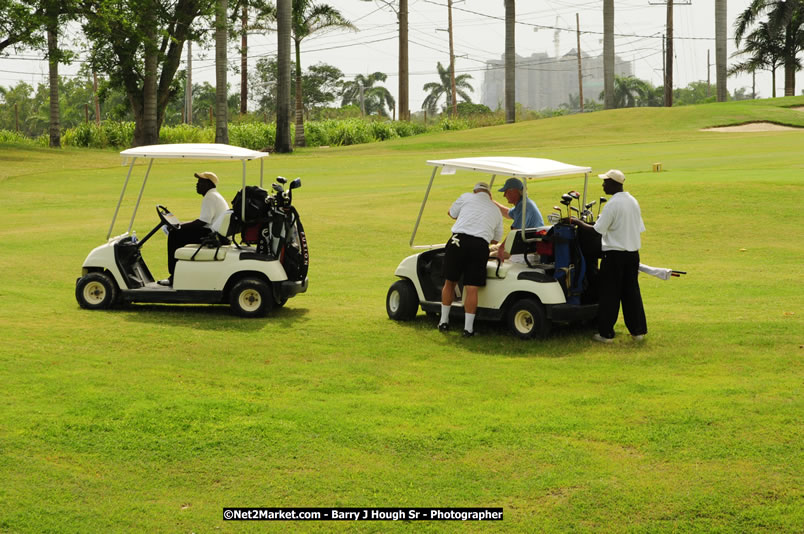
95,291
402,303
527,320
251,297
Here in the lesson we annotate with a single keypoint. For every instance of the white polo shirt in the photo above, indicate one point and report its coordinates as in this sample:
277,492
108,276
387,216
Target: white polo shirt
620,223
212,206
477,216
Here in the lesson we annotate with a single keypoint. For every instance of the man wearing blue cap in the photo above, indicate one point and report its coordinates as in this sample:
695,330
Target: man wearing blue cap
512,190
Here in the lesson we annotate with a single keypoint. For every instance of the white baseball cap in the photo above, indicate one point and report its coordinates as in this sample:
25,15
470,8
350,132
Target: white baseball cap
613,174
482,186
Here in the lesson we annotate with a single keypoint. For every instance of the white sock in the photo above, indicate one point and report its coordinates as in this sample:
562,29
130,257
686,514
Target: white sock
469,322
444,314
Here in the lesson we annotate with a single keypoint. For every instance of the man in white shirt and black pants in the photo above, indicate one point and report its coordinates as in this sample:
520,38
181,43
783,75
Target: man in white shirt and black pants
212,206
620,225
478,224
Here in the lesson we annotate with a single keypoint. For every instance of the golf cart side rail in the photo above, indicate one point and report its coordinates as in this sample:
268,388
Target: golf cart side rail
213,151
516,167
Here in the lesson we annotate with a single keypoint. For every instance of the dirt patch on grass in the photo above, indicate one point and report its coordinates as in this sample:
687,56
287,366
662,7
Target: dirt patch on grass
752,127
798,108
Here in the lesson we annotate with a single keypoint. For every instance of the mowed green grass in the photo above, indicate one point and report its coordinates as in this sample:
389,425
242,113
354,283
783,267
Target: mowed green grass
153,418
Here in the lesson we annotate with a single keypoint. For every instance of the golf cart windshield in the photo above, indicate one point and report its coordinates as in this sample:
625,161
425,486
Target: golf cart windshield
516,167
216,151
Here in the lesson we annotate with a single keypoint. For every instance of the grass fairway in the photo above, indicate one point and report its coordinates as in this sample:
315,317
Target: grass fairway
153,418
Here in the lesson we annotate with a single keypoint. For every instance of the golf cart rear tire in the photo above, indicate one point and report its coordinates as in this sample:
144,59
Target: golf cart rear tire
95,291
251,297
527,320
401,302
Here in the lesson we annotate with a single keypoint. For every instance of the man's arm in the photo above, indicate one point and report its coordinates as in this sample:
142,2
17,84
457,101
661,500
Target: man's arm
583,226
503,209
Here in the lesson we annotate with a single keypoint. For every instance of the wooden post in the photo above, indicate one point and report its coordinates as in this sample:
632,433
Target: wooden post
668,74
580,73
95,96
452,63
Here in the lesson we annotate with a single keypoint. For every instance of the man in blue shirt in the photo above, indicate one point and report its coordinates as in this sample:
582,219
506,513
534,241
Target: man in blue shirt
512,190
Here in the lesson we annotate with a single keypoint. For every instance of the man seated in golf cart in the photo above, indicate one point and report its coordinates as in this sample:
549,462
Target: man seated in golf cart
512,190
212,206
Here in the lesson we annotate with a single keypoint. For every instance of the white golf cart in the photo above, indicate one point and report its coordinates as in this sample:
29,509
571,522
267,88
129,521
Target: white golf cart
267,267
550,278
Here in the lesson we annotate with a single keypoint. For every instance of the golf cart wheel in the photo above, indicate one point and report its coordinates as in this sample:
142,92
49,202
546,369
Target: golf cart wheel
527,320
95,291
251,297
402,303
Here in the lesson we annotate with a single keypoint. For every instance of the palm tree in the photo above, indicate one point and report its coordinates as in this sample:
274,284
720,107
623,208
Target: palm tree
374,98
284,23
782,15
629,92
766,52
221,110
309,18
53,71
720,50
510,62
608,53
436,90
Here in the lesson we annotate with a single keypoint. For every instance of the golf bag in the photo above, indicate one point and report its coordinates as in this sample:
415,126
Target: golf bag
570,266
274,226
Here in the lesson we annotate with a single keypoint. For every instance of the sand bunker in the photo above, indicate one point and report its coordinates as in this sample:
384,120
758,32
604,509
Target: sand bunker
798,108
752,127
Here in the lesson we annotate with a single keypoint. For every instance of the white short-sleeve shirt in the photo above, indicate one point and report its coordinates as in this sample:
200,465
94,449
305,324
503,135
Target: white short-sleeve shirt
620,223
477,216
212,206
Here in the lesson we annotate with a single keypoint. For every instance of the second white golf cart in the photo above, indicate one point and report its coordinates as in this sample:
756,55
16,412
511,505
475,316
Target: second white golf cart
551,279
267,267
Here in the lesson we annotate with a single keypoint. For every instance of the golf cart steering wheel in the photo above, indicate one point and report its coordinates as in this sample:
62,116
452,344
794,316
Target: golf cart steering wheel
168,218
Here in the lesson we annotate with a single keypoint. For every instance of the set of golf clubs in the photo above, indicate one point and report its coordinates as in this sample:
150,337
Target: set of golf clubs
285,198
584,214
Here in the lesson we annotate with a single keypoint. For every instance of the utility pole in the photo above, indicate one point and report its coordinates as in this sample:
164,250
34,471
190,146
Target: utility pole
188,92
510,61
668,73
404,100
580,75
95,97
243,61
452,63
608,54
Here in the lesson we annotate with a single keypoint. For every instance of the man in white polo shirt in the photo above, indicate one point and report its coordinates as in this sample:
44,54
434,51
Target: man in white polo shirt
478,223
212,206
620,225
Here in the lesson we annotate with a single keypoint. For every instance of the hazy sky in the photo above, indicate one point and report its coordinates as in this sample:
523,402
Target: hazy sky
479,36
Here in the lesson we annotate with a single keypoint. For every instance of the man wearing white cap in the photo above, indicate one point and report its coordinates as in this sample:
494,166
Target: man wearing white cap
478,223
195,231
620,225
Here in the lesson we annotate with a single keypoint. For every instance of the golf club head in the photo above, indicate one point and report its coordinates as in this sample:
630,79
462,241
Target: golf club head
590,204
565,198
574,194
295,184
603,200
573,208
281,179
278,188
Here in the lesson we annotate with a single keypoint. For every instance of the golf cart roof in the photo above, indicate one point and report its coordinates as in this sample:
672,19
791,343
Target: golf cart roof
510,166
194,151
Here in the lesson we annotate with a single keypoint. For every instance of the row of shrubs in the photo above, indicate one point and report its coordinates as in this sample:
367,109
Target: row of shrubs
253,135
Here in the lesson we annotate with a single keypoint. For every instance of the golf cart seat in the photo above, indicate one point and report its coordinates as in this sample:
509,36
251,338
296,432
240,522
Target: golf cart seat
495,269
198,252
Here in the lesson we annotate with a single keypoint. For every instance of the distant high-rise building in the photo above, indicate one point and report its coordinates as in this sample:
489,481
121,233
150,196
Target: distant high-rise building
545,82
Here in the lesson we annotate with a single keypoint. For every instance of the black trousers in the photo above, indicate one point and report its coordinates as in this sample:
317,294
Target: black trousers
181,237
618,283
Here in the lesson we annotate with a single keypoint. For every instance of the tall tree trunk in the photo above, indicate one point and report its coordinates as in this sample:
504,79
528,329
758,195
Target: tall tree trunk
608,54
773,82
221,107
720,50
149,134
284,24
53,72
404,100
299,140
244,61
668,74
510,61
